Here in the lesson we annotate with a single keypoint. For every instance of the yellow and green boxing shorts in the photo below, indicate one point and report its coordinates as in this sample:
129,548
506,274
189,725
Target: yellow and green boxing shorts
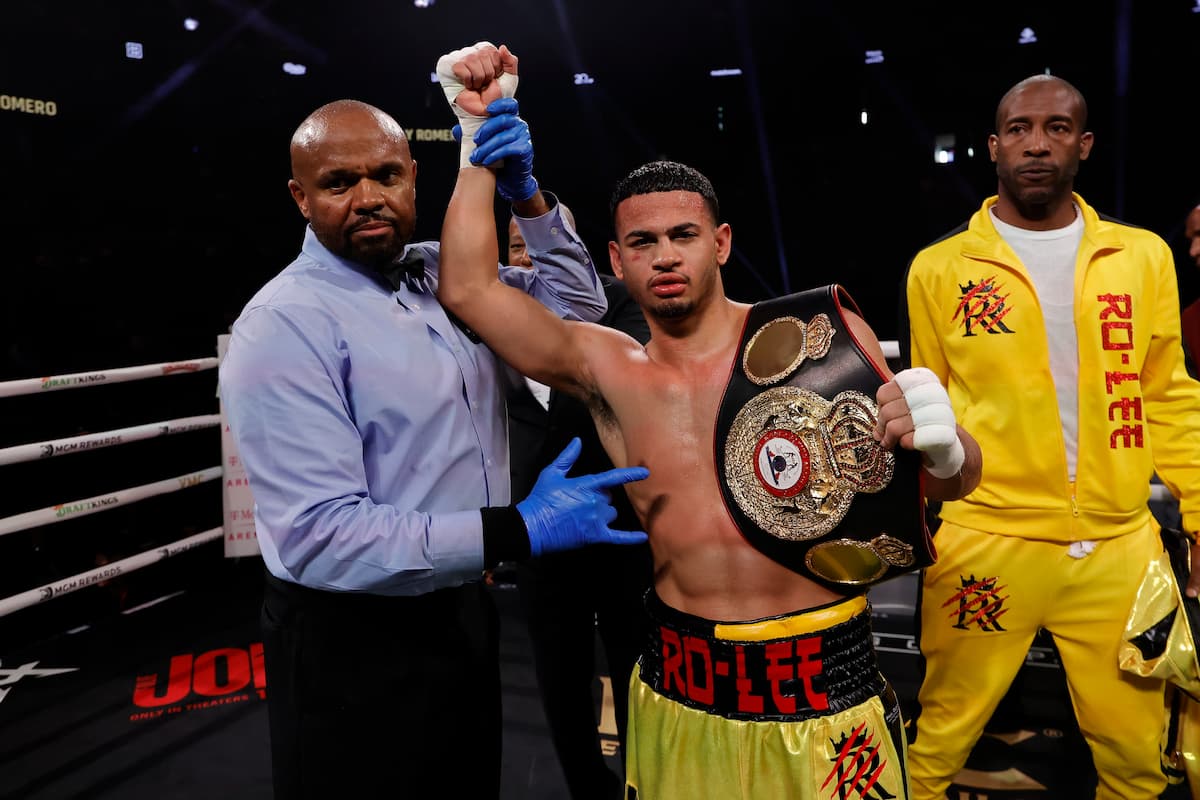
784,707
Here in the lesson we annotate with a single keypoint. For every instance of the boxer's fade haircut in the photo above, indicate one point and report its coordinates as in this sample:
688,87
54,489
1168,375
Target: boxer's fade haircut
665,176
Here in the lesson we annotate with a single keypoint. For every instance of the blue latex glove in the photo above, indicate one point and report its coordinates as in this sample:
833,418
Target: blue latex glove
506,136
564,513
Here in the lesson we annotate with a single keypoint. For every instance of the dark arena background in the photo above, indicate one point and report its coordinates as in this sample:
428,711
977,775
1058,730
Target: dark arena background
144,152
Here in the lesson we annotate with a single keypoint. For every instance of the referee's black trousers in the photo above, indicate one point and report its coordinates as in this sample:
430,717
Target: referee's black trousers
382,697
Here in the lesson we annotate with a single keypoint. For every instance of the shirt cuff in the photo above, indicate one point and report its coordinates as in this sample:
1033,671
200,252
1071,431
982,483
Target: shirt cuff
505,537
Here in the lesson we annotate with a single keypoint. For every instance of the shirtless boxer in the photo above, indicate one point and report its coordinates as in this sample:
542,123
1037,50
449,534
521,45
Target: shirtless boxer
760,679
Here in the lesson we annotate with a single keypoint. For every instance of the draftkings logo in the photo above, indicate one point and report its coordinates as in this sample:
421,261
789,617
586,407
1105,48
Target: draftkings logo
978,603
857,767
217,678
30,669
982,307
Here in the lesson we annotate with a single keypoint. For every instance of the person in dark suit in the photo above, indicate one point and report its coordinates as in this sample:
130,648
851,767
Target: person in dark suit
567,600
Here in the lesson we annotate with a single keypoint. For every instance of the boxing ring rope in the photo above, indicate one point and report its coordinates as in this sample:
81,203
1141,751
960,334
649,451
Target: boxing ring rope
107,572
103,502
78,379
237,504
93,441
91,505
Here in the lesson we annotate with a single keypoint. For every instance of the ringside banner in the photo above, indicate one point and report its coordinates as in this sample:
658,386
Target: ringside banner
240,536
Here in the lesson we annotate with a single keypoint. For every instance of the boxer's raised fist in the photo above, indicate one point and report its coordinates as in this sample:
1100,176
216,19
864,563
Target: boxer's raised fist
471,78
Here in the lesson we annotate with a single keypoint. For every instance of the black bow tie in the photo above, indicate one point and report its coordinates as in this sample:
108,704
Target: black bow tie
409,270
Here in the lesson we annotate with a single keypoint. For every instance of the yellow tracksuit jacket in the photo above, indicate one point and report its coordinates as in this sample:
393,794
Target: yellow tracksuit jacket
973,318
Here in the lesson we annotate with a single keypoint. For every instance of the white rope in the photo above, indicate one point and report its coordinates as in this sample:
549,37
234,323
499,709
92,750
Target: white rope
104,502
93,441
891,349
107,572
79,379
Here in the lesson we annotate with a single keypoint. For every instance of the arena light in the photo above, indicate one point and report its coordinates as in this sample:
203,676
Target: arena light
725,73
583,79
1027,36
423,3
134,50
874,57
191,23
862,117
943,149
294,69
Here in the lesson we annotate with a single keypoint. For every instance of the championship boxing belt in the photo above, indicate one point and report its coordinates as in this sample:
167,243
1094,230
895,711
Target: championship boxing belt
799,468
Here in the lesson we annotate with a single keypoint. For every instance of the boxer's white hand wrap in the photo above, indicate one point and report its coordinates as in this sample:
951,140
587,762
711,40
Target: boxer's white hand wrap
934,429
453,87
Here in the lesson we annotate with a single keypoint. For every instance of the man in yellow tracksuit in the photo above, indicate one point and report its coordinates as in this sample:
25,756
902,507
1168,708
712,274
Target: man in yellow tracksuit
1056,333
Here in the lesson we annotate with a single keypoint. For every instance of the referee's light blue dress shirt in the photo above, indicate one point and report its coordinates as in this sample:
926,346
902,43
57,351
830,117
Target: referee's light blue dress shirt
371,427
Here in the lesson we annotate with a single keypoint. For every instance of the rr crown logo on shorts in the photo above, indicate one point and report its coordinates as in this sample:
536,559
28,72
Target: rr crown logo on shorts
857,767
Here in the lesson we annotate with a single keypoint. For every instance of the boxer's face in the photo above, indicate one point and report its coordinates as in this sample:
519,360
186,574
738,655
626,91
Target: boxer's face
356,185
669,251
